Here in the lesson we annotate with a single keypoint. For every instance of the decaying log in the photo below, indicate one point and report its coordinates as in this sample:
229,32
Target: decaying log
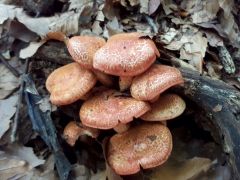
221,104
220,101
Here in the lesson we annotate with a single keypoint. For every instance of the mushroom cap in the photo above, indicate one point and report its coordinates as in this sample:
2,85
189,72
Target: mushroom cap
83,48
125,57
73,131
147,145
107,109
154,81
69,83
168,106
125,36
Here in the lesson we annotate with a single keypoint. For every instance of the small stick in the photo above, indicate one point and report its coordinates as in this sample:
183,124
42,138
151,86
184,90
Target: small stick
16,117
12,69
226,60
151,23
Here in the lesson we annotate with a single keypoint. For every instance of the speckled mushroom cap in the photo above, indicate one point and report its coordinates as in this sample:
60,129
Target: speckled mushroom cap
147,145
154,81
69,83
73,131
132,36
83,48
125,36
168,106
128,57
107,109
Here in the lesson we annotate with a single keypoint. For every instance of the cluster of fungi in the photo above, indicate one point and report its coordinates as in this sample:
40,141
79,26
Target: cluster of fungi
140,94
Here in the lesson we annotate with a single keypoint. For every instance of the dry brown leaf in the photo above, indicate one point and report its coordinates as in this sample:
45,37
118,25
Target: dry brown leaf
67,22
31,49
153,5
16,160
112,27
8,82
7,109
181,170
204,13
144,6
191,43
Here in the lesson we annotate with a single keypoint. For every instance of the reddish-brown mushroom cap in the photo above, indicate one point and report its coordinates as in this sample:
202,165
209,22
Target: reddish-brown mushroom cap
168,106
154,81
132,36
125,36
69,83
125,57
73,131
147,145
83,48
107,109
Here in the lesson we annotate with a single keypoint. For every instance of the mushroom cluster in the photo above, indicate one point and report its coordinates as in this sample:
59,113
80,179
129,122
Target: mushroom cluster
141,93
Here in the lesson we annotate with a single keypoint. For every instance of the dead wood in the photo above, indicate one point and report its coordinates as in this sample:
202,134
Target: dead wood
221,104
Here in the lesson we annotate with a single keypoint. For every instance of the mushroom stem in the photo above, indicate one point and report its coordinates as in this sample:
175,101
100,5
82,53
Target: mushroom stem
103,78
154,99
73,131
164,123
125,82
120,128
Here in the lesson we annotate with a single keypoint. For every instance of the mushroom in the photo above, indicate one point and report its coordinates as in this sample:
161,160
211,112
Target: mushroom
73,131
125,55
147,145
168,106
154,81
82,49
69,83
107,109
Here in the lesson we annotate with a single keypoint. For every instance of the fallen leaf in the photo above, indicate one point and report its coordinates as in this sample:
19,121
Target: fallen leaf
144,6
213,39
7,109
30,50
8,82
112,27
181,170
153,6
16,160
67,22
96,28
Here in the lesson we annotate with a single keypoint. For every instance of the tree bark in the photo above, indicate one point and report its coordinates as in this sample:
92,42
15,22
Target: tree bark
221,104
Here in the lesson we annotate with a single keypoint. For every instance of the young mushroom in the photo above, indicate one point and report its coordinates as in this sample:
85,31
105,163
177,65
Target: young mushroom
154,81
168,106
146,146
69,83
109,108
73,131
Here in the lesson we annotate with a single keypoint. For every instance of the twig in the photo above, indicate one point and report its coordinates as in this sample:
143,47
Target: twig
16,117
151,23
12,69
226,60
